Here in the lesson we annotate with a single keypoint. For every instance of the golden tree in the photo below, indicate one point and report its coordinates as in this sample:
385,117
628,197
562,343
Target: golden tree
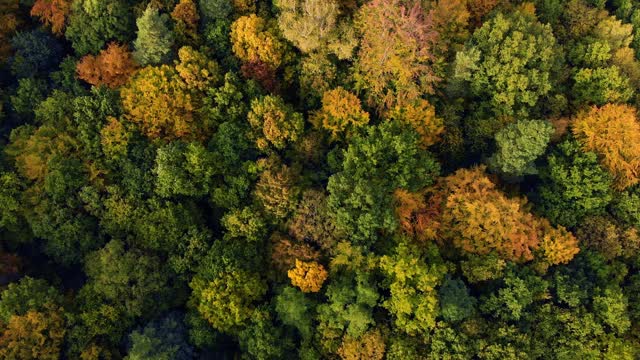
163,100
421,116
34,335
254,39
394,64
308,276
479,219
341,113
613,132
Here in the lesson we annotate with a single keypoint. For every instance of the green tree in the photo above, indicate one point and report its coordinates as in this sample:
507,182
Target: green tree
601,86
183,169
26,295
227,301
92,24
154,42
456,303
519,145
412,277
574,185
161,339
375,164
128,279
509,65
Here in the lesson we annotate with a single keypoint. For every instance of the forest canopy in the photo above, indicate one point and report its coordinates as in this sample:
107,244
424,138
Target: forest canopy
319,179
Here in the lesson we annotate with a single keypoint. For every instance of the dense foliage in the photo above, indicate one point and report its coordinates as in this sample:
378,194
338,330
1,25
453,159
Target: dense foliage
319,179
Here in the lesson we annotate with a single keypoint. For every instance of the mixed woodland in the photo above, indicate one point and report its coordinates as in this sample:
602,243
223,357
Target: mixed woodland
319,179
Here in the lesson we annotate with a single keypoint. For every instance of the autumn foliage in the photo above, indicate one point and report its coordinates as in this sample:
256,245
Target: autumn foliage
478,219
308,276
112,67
52,13
613,132
341,113
394,65
34,335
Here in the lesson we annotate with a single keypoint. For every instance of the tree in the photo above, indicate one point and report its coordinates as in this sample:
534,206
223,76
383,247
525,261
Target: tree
162,339
263,338
385,158
421,116
573,185
308,276
112,67
9,22
52,13
519,145
26,295
274,122
341,113
368,346
612,132
93,24
34,335
186,18
29,94
294,309
394,63
456,304
254,39
154,42
183,169
226,301
479,219
128,279
163,100
509,64
34,53
601,86
413,276
312,222
276,190
315,25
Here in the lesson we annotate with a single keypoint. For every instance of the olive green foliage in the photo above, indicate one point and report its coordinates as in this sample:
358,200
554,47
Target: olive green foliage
510,64
375,164
573,185
319,179
519,145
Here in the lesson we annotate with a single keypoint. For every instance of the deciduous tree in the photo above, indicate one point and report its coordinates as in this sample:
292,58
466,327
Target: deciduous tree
112,67
394,63
341,113
612,132
52,13
308,276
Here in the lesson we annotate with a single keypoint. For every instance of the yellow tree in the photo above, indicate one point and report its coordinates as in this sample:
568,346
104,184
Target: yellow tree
163,100
341,113
394,64
112,67
421,116
308,276
274,122
613,132
34,335
254,40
